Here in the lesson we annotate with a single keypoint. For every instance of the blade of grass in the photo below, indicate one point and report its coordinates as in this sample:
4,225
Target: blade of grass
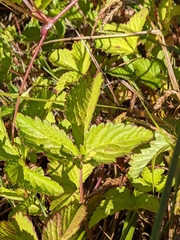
165,196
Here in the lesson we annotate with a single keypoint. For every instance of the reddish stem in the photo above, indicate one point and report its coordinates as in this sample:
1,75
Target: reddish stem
44,31
81,186
100,178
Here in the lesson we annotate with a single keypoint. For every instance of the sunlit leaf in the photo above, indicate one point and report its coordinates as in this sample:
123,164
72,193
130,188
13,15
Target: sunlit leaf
42,4
145,154
43,136
7,230
10,194
122,199
126,45
24,227
63,58
105,142
19,173
81,103
65,224
7,151
81,56
148,72
66,79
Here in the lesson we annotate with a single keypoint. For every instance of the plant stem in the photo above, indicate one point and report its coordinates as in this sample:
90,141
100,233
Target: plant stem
44,31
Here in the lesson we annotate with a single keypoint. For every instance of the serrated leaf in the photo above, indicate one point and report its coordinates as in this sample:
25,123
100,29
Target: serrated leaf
74,173
148,181
7,151
146,201
41,183
144,155
7,231
160,187
114,46
10,194
14,171
148,72
24,227
122,199
68,174
105,142
65,224
162,10
81,103
66,79
64,200
42,4
22,207
43,136
63,58
156,178
81,56
135,23
53,231
127,45
19,173
141,185
59,173
121,72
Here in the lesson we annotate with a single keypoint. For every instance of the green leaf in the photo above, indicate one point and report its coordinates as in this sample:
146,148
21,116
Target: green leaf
127,45
7,231
147,175
41,183
24,227
63,58
81,103
27,33
65,224
74,173
81,56
105,142
59,173
6,110
19,173
14,171
162,10
64,200
42,4
68,174
121,72
145,154
148,72
5,65
7,151
43,136
148,181
10,194
22,206
115,46
38,108
146,201
67,79
122,199
53,231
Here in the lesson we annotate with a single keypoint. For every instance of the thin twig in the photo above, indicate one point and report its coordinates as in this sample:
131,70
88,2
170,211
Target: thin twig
156,32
